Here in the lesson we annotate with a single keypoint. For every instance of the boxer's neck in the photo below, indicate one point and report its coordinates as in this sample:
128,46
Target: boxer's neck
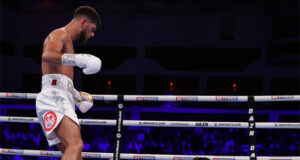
74,29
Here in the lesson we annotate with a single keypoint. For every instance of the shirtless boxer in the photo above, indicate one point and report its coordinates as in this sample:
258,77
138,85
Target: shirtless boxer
55,104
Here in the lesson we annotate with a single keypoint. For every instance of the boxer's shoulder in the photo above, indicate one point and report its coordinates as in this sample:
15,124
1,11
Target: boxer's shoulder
60,34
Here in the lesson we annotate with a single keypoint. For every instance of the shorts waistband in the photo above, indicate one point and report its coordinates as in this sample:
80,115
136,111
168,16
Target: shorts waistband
57,80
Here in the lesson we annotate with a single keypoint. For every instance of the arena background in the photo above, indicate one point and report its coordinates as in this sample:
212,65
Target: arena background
161,47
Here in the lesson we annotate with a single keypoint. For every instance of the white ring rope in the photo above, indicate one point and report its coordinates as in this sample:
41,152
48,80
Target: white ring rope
97,155
197,124
180,98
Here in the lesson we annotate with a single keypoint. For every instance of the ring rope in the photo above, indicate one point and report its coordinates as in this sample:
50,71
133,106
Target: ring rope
98,155
180,98
162,123
196,124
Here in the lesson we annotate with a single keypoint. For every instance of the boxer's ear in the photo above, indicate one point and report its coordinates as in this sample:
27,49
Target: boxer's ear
83,21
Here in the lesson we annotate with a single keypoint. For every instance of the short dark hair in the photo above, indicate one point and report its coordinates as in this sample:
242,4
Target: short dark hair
89,12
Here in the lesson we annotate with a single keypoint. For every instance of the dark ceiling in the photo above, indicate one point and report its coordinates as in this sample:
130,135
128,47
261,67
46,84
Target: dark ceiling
203,7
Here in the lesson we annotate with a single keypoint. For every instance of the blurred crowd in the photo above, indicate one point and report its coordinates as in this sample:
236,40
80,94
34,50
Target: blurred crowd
159,140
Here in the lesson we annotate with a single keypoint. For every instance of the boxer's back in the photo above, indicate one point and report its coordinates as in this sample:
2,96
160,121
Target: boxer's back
57,43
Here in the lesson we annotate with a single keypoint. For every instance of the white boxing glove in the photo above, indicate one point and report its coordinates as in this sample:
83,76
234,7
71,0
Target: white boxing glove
83,101
88,62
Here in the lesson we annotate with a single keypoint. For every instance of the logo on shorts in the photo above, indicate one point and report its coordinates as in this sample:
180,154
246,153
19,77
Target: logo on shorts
49,120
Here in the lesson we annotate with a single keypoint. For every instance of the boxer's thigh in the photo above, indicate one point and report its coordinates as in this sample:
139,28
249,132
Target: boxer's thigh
68,132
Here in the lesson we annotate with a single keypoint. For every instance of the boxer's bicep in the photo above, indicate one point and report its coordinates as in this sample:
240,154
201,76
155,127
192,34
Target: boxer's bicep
53,50
55,46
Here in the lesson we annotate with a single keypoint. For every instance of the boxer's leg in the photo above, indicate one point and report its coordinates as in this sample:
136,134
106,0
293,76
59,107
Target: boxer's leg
69,133
61,147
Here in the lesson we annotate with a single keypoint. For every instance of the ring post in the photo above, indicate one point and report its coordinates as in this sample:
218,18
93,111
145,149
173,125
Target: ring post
119,125
251,128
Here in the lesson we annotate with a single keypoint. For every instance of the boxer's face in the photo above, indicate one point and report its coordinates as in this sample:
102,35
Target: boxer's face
87,32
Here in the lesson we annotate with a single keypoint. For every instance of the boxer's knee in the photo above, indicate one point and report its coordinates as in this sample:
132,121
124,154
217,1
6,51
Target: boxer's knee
61,146
76,146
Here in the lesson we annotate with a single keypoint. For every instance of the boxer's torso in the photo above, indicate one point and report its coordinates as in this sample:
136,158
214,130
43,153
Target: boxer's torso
48,68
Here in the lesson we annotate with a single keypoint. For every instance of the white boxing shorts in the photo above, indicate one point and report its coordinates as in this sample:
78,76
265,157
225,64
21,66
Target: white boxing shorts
53,103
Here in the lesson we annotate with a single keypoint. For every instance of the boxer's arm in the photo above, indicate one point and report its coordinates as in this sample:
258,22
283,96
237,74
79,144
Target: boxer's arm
53,54
53,47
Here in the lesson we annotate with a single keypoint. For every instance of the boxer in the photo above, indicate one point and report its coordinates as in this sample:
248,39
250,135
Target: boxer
55,104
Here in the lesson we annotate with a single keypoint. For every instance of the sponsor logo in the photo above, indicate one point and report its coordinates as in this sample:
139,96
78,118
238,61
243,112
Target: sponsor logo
12,151
152,123
202,124
179,124
282,97
280,159
70,56
187,99
119,121
98,98
228,124
287,125
16,95
50,119
147,98
92,122
20,119
50,153
144,157
90,155
226,98
119,135
182,158
223,158
117,149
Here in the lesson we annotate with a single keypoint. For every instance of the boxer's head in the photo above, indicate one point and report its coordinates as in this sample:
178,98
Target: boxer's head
89,21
